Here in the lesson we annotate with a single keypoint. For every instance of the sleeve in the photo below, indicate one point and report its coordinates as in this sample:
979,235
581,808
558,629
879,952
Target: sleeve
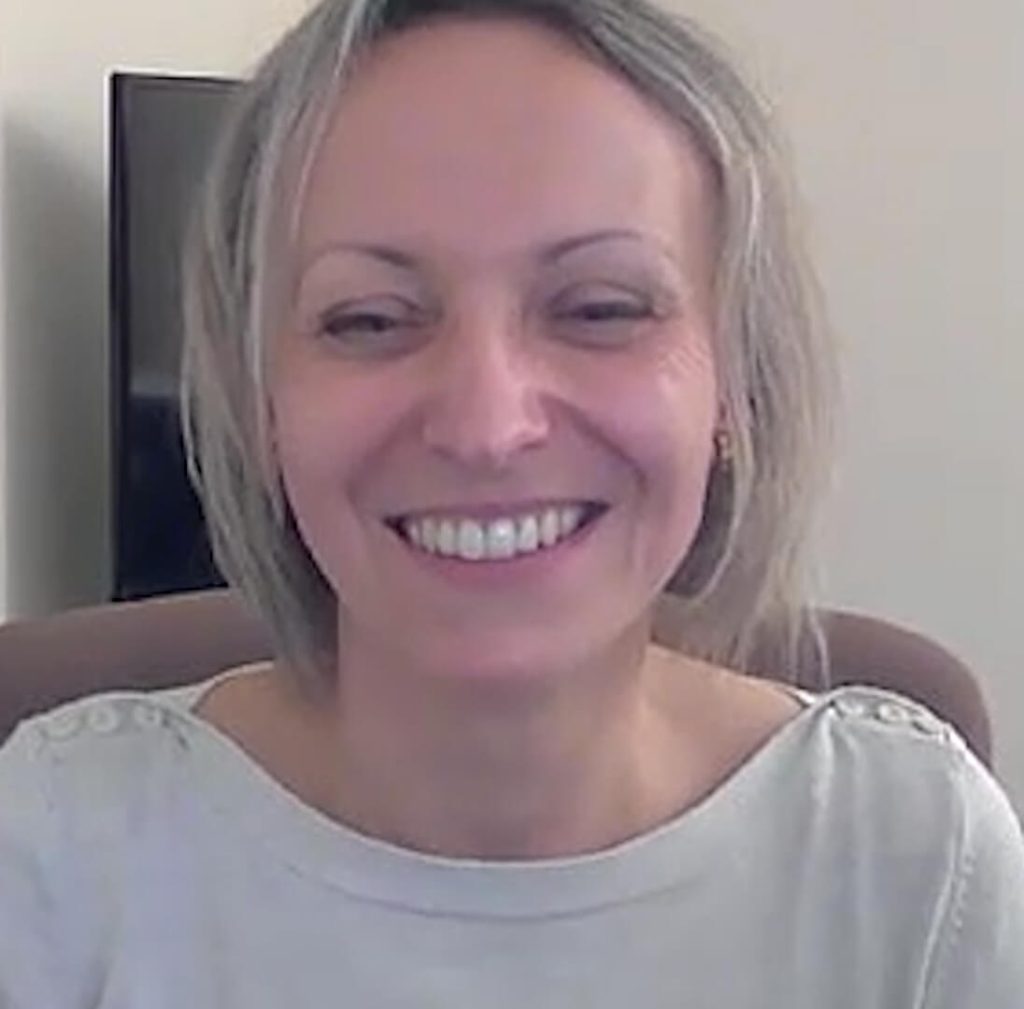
978,958
30,950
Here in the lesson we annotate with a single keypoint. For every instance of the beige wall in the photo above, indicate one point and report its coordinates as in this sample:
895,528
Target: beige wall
906,125
906,121
53,305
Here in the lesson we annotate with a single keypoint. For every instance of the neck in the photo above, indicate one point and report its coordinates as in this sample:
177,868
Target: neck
560,764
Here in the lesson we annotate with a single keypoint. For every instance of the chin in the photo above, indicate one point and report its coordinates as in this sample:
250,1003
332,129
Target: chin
509,654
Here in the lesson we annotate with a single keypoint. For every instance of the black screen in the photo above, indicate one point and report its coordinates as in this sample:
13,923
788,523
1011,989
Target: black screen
162,130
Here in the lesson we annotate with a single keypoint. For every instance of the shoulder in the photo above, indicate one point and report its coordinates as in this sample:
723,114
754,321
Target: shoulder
101,723
902,777
899,821
870,739
930,809
68,782
887,729
81,783
86,762
880,779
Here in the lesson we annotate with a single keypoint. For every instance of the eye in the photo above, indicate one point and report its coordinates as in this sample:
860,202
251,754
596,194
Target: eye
608,310
342,324
378,326
600,314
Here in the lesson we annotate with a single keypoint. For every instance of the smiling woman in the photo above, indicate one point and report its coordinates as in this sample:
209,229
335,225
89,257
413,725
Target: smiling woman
497,327
629,194
553,348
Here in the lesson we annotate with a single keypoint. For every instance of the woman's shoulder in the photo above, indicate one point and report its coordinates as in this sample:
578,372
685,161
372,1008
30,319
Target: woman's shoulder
860,767
87,761
87,791
895,774
96,720
870,737
860,725
111,721
855,747
883,717
904,792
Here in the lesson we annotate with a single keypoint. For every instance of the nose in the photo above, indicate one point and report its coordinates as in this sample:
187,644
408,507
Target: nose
488,399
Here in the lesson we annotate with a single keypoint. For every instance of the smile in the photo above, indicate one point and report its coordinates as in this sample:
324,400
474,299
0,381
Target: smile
500,538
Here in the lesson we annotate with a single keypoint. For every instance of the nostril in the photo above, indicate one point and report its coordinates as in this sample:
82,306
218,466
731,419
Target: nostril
486,428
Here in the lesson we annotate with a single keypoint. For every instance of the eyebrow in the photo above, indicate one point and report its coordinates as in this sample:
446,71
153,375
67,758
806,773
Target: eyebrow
546,254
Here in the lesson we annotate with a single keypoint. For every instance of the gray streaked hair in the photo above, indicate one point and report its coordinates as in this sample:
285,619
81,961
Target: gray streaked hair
744,586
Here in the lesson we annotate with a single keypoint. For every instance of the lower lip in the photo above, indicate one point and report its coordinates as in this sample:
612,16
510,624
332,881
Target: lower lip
542,562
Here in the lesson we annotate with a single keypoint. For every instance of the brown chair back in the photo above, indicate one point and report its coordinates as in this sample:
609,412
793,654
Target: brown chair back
174,640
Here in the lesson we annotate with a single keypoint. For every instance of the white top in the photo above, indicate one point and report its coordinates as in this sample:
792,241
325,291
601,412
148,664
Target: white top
862,859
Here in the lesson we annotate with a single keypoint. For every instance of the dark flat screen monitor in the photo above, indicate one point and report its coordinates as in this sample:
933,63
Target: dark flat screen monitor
162,131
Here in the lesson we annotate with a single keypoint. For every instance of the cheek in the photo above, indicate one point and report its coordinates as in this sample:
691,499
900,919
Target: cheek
662,407
301,440
324,432
666,408
679,463
325,422
303,421
685,394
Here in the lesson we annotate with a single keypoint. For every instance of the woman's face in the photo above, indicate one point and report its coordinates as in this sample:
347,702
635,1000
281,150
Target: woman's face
501,325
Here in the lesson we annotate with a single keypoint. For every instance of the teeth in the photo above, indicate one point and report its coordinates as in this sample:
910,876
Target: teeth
428,535
569,518
499,539
472,540
550,527
528,538
446,538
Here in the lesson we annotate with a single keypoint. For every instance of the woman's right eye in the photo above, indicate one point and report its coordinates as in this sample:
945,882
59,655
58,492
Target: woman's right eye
346,323
371,329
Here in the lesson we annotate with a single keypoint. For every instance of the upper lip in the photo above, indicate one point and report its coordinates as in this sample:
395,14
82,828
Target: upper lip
495,509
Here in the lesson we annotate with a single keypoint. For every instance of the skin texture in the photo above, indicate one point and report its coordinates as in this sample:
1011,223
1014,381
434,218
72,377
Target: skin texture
459,338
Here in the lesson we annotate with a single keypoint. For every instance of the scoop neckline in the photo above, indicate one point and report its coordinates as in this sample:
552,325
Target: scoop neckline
274,821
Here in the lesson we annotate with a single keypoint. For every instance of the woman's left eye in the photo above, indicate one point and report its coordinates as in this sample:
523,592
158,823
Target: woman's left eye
606,311
601,318
598,304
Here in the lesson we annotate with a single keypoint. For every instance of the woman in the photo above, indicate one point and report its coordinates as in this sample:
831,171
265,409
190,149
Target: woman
497,326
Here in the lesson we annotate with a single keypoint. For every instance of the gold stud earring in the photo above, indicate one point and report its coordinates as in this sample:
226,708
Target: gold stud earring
723,447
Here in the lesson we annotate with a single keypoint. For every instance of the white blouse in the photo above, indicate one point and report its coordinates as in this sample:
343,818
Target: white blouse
862,859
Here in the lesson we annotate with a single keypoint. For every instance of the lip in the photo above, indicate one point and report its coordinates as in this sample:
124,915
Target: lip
484,511
511,571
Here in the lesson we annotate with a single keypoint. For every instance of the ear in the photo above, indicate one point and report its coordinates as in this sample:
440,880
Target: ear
267,451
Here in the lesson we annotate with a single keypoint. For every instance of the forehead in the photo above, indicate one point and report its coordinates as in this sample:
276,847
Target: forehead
481,137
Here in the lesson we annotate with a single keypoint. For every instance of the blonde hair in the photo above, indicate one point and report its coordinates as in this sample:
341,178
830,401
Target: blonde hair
744,584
